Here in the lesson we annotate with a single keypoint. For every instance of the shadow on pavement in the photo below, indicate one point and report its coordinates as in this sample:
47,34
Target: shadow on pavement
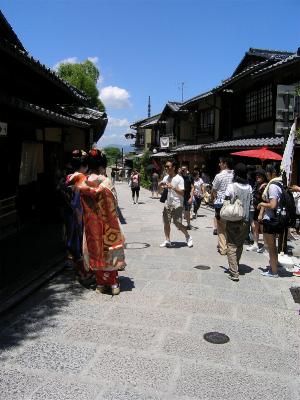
39,313
126,284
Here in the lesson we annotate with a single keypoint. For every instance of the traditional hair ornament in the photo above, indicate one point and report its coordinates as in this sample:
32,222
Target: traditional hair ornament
79,153
94,153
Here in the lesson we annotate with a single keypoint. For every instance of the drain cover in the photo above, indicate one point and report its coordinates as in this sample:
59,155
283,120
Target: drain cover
216,337
202,267
295,291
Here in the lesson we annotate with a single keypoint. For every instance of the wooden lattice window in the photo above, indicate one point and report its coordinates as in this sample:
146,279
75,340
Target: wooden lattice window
259,104
206,121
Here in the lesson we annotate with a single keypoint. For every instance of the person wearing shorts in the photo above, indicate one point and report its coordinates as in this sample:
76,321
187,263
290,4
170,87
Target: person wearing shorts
135,186
174,204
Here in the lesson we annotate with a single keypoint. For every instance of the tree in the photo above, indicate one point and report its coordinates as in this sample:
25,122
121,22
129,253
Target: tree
83,76
112,153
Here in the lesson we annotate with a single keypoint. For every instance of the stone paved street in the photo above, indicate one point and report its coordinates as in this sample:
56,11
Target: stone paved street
67,342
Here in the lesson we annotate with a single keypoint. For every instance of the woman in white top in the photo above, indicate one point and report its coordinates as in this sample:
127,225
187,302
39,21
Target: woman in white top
236,232
198,192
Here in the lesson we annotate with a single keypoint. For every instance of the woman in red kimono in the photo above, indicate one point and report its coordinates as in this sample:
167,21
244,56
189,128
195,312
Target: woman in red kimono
103,240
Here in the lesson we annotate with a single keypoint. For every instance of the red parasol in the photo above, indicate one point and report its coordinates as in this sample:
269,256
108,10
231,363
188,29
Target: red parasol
263,154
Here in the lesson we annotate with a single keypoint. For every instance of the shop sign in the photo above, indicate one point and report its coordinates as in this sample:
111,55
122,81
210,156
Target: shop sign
3,129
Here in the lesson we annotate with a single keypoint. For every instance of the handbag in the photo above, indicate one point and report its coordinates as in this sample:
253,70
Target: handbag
164,195
232,210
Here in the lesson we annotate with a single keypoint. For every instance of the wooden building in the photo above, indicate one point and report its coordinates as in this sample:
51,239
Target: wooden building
255,106
42,119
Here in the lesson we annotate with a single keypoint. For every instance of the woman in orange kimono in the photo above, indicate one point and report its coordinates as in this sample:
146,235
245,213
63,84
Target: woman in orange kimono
103,240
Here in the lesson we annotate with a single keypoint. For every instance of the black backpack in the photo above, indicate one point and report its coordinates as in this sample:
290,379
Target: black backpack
286,212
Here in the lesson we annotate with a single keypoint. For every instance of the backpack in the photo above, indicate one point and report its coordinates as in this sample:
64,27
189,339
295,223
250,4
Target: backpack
286,212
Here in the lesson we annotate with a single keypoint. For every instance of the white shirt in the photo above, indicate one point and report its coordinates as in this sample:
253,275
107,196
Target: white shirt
197,187
174,199
274,192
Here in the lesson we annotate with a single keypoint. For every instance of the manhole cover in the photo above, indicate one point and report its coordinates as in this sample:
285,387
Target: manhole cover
216,337
295,291
202,267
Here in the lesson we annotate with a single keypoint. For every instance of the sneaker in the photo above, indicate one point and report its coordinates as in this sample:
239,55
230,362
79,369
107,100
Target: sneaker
115,290
195,216
233,278
166,243
261,250
269,274
297,273
254,247
189,241
101,289
189,227
215,232
133,202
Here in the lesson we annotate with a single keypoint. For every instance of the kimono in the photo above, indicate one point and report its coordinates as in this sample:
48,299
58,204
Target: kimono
103,240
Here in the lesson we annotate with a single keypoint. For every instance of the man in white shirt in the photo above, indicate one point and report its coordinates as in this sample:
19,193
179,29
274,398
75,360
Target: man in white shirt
219,186
174,204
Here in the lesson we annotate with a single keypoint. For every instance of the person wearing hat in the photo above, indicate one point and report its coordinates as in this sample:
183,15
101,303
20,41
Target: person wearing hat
258,189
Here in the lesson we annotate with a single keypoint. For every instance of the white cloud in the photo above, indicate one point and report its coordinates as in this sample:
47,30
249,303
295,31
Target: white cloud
116,122
115,97
70,60
94,60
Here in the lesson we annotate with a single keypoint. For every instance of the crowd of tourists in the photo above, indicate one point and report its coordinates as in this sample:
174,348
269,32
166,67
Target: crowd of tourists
247,202
94,239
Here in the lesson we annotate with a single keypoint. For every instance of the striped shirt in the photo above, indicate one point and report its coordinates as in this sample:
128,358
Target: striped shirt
220,183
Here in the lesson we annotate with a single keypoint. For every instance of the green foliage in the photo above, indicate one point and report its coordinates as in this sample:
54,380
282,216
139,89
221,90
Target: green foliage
83,76
297,90
112,153
141,165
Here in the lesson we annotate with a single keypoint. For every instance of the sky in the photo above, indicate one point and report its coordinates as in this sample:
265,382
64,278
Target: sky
150,47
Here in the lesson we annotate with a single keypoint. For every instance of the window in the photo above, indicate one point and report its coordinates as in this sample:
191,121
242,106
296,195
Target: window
259,104
206,121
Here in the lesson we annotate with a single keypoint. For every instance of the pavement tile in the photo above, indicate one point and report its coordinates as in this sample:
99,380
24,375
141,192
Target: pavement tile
198,305
267,358
115,335
129,395
195,347
153,318
185,276
173,288
203,382
17,385
30,328
64,358
136,298
132,369
60,390
238,331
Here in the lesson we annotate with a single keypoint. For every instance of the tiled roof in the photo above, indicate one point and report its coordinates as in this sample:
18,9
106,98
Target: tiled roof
194,147
267,53
244,143
44,112
8,32
290,59
163,154
144,121
174,105
85,113
196,98
149,123
24,57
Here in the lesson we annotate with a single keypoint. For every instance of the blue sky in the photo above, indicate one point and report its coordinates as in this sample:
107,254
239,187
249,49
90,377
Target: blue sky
148,47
